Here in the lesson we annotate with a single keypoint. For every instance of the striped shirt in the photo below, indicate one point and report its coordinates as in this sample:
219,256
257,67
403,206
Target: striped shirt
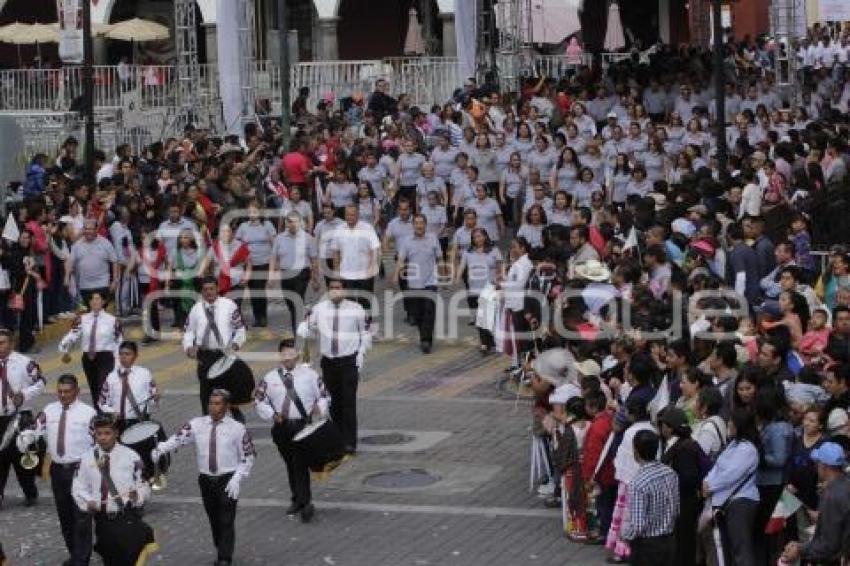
653,502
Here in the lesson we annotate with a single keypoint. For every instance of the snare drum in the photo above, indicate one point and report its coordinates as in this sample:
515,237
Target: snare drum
320,443
143,437
229,372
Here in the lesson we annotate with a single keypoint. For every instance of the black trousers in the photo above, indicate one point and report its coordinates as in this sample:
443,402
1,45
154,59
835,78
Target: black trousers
341,377
736,531
206,358
521,330
296,285
96,371
653,551
11,458
364,288
297,471
221,512
76,525
423,311
257,286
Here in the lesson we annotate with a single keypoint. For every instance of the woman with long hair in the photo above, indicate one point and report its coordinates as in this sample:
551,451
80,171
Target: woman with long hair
562,209
512,187
183,266
731,487
777,437
746,386
532,229
368,206
524,141
484,158
18,260
795,316
620,179
480,266
565,174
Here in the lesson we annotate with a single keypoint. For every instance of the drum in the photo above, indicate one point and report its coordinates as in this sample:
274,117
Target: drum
320,443
124,538
235,376
143,437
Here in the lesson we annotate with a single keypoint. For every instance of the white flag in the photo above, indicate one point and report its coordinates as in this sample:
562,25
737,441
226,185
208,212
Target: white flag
632,240
10,231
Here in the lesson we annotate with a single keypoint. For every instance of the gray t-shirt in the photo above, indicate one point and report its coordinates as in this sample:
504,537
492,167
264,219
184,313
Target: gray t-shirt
421,256
409,166
294,253
90,262
400,231
258,238
481,268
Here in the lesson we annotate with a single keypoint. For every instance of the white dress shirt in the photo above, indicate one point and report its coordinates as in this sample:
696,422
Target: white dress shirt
234,447
351,336
108,334
78,433
113,398
271,398
125,469
227,318
515,282
358,250
22,376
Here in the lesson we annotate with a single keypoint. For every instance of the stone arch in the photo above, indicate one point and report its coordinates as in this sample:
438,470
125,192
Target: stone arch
102,10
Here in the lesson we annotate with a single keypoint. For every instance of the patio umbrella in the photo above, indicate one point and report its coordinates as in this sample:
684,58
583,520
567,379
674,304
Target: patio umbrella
614,38
27,34
137,30
413,43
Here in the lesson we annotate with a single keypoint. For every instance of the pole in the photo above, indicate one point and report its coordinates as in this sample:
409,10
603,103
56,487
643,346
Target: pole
720,87
285,103
88,88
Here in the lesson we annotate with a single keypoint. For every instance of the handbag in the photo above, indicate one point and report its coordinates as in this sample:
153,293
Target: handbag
16,300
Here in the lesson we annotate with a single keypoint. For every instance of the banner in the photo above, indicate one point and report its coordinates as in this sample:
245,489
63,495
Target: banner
466,35
70,30
229,64
834,10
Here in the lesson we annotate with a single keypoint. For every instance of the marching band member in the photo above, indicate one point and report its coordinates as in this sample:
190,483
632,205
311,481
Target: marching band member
344,339
286,395
213,326
20,381
67,425
128,389
99,334
225,455
109,487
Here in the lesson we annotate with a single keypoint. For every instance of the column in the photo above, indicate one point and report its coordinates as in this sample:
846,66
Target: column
328,42
664,21
449,37
99,51
211,42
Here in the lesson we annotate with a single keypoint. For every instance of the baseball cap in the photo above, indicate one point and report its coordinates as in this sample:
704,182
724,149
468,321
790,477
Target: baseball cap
830,454
588,368
612,114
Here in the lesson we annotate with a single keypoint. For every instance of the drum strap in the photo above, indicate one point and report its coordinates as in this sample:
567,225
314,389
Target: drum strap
133,403
293,395
113,492
212,326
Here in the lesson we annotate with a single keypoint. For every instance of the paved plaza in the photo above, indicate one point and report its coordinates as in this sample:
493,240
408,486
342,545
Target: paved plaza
440,477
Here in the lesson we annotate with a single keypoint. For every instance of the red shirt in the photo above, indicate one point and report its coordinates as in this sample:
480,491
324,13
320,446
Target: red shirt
594,442
295,167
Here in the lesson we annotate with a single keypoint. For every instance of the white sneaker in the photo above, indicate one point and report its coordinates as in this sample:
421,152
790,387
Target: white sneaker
546,489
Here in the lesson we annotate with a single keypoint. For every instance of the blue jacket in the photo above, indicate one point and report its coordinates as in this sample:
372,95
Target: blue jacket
34,184
777,439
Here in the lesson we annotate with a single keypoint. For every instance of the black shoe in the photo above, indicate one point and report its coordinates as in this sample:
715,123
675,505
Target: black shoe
148,340
222,563
426,347
261,323
294,509
307,513
31,501
350,450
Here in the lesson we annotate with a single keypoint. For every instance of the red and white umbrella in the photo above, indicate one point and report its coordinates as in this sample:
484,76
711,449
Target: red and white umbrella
614,38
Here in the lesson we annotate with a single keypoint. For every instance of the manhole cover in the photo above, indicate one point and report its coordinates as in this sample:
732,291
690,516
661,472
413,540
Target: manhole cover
402,479
387,439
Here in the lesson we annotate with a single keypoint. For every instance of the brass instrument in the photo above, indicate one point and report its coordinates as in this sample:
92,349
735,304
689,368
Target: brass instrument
158,481
27,444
